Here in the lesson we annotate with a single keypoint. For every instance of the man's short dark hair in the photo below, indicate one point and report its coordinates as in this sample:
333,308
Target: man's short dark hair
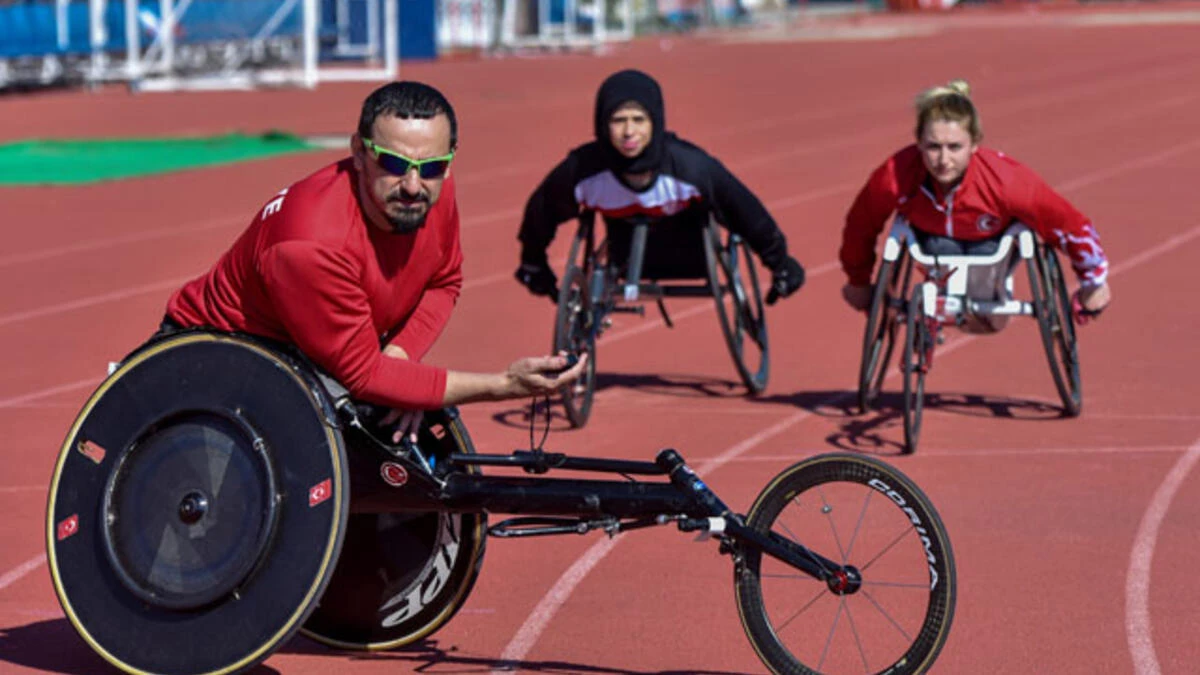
406,100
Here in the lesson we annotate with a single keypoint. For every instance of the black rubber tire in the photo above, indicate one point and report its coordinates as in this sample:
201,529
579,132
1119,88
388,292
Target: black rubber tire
1052,305
573,333
733,273
918,344
879,337
909,583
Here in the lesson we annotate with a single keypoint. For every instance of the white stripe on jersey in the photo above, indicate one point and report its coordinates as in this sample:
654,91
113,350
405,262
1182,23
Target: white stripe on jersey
605,194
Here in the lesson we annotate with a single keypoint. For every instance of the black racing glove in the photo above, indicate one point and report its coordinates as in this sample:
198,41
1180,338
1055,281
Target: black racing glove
538,278
785,280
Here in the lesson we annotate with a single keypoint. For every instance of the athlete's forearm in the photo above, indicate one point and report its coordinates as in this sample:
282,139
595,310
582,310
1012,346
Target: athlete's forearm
463,387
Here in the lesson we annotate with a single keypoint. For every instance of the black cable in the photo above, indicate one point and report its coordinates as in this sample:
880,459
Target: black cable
533,406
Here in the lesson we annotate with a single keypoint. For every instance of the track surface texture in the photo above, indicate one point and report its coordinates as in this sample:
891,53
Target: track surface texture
1075,538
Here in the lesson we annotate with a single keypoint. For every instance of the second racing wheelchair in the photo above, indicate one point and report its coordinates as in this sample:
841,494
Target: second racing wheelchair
621,272
920,295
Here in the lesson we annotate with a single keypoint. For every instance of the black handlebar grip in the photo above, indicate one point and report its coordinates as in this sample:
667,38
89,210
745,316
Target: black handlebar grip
685,479
572,359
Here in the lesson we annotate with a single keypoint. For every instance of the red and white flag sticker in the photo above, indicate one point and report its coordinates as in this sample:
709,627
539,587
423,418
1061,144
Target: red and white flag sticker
320,492
92,451
68,526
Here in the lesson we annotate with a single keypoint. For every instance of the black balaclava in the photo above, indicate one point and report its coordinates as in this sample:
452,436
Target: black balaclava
636,86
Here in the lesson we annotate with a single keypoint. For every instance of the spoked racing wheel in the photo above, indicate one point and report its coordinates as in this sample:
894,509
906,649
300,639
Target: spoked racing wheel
733,278
890,612
1053,308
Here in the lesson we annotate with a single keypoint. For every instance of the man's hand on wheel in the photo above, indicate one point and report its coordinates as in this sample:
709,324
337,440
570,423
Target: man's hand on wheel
785,280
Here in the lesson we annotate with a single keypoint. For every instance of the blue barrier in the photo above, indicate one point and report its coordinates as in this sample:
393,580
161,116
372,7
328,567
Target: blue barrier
29,28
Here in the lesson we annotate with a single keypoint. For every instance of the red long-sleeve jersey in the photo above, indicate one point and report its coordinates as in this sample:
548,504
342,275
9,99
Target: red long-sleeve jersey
995,191
312,272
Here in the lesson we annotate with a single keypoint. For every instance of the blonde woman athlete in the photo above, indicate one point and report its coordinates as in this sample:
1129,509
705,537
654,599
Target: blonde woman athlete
959,197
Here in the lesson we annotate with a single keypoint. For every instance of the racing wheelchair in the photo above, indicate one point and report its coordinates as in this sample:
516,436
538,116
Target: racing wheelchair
218,493
616,275
973,293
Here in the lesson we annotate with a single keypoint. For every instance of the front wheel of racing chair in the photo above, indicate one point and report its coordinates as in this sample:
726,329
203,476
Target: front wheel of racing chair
733,279
574,329
1052,305
883,319
918,354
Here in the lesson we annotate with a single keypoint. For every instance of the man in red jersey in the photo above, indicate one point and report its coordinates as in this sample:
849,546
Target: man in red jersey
959,198
359,266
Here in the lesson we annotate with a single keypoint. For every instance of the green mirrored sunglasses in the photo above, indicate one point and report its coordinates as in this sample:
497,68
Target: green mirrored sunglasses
399,165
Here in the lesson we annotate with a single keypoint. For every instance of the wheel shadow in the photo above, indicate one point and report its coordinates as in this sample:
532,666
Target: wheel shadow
880,431
679,386
53,646
427,655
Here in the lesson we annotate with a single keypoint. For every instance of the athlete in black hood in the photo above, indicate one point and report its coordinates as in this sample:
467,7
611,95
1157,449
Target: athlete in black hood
635,167
620,89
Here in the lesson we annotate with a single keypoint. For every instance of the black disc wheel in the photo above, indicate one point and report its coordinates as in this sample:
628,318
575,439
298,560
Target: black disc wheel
868,517
573,333
879,338
733,278
198,506
1053,308
402,576
918,353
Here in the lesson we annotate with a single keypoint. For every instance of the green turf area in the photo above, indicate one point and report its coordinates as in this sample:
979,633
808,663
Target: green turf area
69,162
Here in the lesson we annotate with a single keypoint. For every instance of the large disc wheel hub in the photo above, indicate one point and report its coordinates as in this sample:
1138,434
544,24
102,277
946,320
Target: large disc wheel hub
190,511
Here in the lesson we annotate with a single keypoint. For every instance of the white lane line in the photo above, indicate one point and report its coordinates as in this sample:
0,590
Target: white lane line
15,574
22,399
13,489
1138,631
132,238
93,300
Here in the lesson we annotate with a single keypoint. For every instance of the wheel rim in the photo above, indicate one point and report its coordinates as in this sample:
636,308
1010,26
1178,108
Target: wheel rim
734,279
1057,328
572,333
916,343
879,338
862,514
1064,334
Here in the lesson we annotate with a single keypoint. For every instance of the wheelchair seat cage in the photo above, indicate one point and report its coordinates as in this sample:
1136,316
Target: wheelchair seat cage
971,292
594,287
953,297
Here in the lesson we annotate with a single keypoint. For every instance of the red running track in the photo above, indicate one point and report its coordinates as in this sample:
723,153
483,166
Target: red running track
1075,539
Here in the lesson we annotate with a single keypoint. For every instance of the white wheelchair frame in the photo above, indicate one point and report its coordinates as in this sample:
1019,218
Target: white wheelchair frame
967,292
954,272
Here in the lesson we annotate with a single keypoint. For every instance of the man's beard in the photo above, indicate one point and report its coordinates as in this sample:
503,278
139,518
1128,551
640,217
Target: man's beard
408,220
